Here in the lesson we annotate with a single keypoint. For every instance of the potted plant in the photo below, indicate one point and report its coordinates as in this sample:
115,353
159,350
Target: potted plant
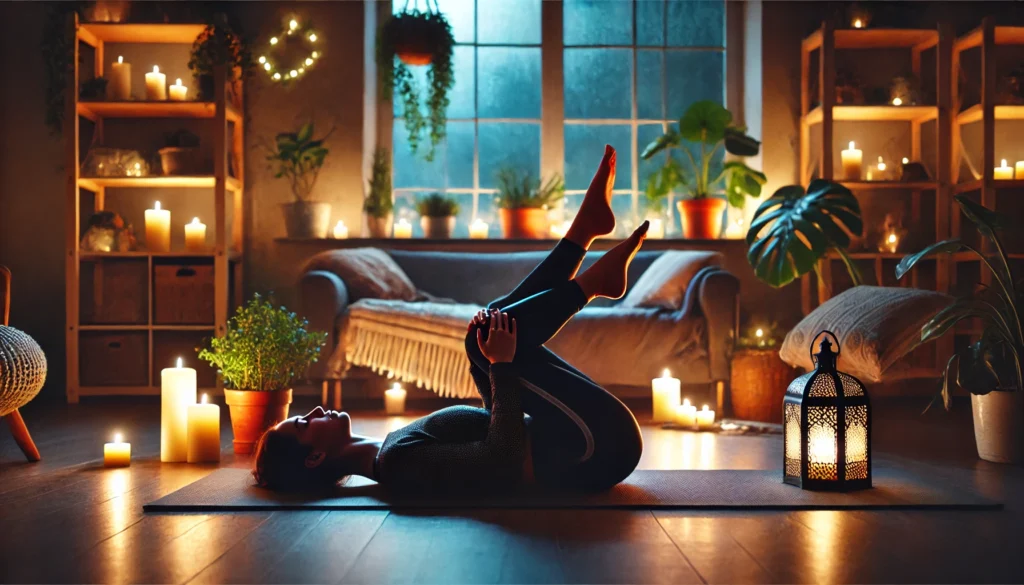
378,204
218,45
264,349
989,368
180,155
299,157
524,201
799,228
414,38
437,215
705,127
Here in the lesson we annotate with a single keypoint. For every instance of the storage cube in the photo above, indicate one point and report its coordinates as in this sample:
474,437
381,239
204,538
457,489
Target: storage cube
112,358
183,294
113,292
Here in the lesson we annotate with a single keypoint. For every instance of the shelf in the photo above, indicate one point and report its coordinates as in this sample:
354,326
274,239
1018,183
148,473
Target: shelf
872,255
140,109
972,257
92,33
1004,35
974,114
976,184
885,38
93,256
198,182
145,327
886,185
875,114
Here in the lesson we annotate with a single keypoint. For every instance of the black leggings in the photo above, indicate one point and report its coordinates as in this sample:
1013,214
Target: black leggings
582,437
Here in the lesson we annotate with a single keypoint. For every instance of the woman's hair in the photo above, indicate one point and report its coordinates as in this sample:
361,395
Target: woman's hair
280,465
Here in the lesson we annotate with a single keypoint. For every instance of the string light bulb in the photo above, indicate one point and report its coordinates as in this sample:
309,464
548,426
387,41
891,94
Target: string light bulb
293,24
273,40
262,59
312,37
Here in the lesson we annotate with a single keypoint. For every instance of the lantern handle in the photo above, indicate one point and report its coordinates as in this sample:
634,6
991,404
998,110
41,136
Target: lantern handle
815,338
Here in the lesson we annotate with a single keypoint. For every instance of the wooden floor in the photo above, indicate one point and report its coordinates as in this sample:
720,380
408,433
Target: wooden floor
66,520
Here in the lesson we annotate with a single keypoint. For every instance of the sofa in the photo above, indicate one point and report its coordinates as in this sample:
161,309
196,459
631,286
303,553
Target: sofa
686,322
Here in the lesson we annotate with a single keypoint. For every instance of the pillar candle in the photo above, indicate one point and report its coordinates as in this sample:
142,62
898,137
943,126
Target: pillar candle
394,400
156,85
341,230
665,394
705,418
657,228
158,229
177,392
852,159
203,432
1003,172
403,229
686,414
118,453
1020,170
478,230
119,81
177,91
195,235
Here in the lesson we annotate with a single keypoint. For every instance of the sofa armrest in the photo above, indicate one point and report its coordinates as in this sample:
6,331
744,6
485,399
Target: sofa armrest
714,294
323,297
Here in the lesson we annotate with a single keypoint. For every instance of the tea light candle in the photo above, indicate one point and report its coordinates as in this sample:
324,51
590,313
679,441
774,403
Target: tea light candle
340,230
734,229
119,81
177,392
478,230
178,91
892,242
394,400
195,235
665,396
203,432
1003,172
759,334
852,158
686,414
882,170
158,229
156,85
705,418
118,453
858,23
656,229
403,229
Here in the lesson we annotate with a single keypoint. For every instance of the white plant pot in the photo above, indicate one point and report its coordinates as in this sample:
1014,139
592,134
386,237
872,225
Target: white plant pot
999,426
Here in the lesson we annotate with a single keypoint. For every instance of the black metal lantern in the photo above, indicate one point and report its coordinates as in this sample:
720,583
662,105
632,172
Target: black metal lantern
827,420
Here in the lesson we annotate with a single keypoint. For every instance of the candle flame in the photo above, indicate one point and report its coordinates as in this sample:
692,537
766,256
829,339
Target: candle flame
686,402
156,205
906,160
1004,164
195,221
892,238
705,408
179,362
203,399
118,438
665,373
759,332
858,23
851,145
177,81
897,101
403,221
156,69
340,224
120,59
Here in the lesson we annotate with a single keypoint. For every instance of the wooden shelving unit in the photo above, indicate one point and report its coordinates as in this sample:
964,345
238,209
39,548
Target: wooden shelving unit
138,318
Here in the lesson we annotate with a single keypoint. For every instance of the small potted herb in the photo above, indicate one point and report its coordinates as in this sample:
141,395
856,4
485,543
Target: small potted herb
180,155
524,202
378,204
218,45
264,349
299,157
437,215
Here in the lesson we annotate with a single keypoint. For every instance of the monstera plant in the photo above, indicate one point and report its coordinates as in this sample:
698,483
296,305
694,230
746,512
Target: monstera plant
794,228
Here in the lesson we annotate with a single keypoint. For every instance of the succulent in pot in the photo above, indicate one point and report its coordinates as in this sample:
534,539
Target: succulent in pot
378,205
299,157
524,201
437,215
180,155
263,350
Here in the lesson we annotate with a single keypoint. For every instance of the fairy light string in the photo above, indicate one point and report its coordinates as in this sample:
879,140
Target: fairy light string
278,70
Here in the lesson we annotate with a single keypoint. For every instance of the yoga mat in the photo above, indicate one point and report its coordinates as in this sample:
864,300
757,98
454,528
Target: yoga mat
233,490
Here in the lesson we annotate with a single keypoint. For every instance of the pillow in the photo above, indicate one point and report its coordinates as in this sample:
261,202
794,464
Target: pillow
368,273
663,284
876,327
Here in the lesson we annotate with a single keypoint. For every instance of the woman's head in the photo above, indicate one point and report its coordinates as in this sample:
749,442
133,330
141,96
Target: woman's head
304,452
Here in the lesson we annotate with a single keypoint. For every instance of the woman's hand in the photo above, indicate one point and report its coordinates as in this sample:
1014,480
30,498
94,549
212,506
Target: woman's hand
479,319
500,346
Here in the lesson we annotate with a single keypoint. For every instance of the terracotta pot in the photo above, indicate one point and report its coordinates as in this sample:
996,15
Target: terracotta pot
414,51
307,219
999,426
437,228
701,219
253,412
180,161
524,224
757,384
379,227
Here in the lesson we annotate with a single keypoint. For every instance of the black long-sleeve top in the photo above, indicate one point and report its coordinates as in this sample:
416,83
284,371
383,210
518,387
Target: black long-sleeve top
461,447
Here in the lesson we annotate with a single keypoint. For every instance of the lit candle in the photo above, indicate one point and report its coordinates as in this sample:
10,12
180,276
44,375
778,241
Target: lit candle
1020,170
178,91
118,453
852,158
156,85
686,414
665,394
759,334
478,230
394,400
705,418
882,172
340,230
158,229
203,432
821,447
195,235
1003,172
656,229
892,242
119,80
897,101
734,229
177,392
403,229
858,23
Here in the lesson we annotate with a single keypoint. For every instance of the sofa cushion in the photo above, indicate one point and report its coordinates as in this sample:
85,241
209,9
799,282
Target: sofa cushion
876,327
366,272
663,285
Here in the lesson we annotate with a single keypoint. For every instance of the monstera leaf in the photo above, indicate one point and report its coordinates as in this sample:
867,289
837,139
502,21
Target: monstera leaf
799,228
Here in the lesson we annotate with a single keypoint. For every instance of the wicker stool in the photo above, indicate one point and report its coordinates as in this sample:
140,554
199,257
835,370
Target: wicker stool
758,384
22,371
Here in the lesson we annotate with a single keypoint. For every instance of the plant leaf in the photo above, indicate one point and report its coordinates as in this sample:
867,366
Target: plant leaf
305,133
945,246
669,139
739,144
705,121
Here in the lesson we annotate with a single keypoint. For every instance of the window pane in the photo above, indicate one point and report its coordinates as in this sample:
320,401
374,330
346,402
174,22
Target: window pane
696,23
650,23
459,13
693,76
465,215
411,170
597,22
405,208
459,154
597,83
584,147
647,133
510,82
488,213
509,22
516,145
461,98
649,85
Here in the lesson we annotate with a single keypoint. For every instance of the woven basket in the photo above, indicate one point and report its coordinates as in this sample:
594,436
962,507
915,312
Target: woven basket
22,369
758,384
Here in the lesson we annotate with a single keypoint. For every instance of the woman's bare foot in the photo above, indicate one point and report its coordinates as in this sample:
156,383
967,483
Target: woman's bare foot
595,217
607,277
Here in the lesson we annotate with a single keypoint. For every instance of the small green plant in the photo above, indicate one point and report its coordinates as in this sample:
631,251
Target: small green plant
378,201
298,157
437,205
265,347
517,189
218,44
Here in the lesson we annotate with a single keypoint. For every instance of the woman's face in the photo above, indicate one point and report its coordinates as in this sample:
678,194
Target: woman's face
328,431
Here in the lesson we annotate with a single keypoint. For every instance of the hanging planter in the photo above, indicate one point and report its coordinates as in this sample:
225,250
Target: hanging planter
413,38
